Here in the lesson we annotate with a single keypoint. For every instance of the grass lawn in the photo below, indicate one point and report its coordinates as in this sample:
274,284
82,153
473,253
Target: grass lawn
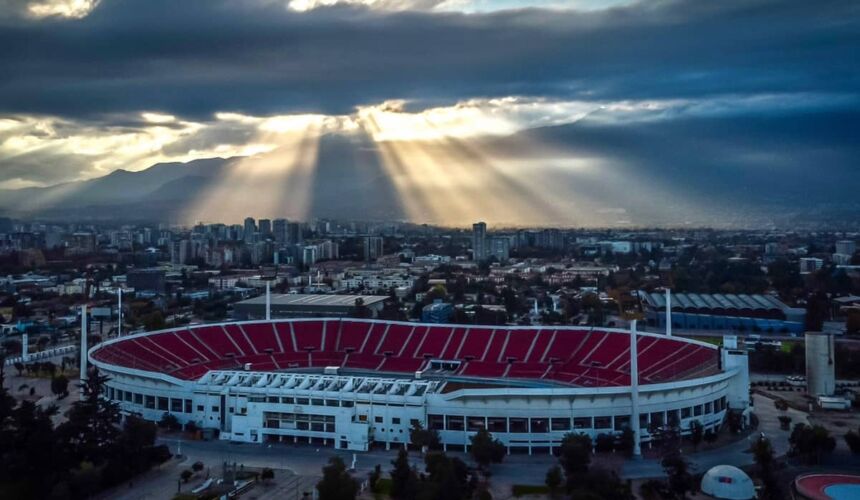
787,345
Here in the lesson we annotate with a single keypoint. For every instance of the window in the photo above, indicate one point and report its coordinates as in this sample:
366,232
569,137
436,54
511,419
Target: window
602,422
187,406
436,422
622,422
697,410
176,405
138,399
377,419
128,396
559,424
318,402
454,423
643,420
216,409
301,401
346,404
272,399
686,412
518,425
199,407
395,421
475,424
331,402
657,419
162,403
709,408
582,423
497,424
672,418
150,402
539,424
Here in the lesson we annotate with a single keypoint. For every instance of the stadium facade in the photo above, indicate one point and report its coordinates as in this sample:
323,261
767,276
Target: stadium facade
354,384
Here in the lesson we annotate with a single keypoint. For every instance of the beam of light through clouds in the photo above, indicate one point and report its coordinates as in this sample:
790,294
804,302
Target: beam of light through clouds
577,112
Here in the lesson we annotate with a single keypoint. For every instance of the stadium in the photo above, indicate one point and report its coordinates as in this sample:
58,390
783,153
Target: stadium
356,384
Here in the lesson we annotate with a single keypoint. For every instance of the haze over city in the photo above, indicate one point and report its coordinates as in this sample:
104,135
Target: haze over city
566,113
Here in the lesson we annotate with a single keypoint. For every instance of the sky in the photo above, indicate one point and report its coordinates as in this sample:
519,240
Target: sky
514,111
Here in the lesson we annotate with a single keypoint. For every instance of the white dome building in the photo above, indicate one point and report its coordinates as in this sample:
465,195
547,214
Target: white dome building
728,482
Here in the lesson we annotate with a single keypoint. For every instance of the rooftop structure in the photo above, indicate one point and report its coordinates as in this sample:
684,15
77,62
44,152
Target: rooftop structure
307,305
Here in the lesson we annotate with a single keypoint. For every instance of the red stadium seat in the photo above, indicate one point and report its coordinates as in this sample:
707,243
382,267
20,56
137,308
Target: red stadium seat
579,357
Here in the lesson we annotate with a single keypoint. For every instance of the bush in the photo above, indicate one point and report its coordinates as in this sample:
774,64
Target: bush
604,443
852,439
521,490
169,421
267,474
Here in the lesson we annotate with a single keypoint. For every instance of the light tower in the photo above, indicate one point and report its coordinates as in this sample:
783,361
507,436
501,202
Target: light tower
84,333
634,390
668,312
119,312
268,274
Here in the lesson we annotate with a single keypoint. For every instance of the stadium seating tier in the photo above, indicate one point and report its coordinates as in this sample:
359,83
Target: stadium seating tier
576,357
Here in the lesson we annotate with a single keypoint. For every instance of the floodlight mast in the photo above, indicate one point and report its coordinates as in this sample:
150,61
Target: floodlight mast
268,274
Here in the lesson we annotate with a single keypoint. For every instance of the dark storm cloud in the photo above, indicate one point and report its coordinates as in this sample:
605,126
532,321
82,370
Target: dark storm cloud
195,57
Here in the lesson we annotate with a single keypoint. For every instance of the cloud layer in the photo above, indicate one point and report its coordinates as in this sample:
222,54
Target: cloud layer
89,87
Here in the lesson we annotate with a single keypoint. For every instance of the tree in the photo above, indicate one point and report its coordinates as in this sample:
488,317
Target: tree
575,454
153,321
626,442
486,450
604,443
710,436
267,475
449,477
677,470
60,386
696,433
763,454
852,439
404,479
336,483
359,310
186,475
169,421
374,476
811,442
91,430
421,437
554,479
